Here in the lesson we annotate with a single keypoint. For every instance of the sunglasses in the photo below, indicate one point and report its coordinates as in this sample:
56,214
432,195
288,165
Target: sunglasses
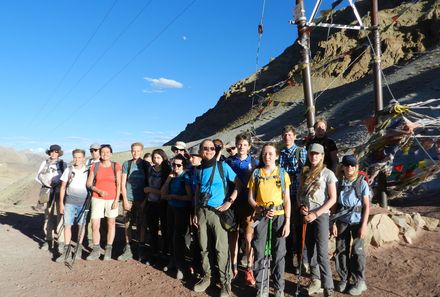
177,165
94,150
230,149
55,152
208,148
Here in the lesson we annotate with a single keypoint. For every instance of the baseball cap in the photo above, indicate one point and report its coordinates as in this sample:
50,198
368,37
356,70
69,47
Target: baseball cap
316,148
349,160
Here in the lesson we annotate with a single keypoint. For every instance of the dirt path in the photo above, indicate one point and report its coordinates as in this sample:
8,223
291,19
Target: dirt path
25,270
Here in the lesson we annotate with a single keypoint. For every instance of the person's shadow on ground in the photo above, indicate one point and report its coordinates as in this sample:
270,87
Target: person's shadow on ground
29,224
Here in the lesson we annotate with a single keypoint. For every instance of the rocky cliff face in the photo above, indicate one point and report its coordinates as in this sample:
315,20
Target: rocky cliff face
339,57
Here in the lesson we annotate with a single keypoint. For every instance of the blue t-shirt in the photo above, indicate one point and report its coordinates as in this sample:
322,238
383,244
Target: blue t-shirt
177,187
135,179
347,198
217,189
243,169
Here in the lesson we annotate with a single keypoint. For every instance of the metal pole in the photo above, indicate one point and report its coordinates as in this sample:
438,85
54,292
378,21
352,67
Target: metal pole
304,41
378,96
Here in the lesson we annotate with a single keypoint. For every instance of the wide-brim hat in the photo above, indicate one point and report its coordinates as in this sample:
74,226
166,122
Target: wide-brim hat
54,147
180,145
316,148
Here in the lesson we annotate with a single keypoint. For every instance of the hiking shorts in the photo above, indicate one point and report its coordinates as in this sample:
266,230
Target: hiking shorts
245,213
103,208
72,212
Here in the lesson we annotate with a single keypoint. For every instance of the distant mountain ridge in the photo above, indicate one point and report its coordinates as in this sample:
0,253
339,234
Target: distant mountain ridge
341,59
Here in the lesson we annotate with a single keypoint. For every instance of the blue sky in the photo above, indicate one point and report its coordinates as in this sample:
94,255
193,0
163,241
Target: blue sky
119,71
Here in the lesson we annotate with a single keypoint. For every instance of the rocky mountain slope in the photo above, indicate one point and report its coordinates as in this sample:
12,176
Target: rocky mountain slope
340,66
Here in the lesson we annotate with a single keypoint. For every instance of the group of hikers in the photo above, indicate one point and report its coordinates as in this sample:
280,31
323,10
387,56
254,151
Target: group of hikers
279,210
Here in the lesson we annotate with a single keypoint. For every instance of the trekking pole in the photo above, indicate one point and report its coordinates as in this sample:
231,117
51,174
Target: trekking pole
267,258
85,212
303,239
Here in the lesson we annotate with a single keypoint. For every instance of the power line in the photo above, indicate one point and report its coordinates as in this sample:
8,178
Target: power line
123,31
73,63
130,61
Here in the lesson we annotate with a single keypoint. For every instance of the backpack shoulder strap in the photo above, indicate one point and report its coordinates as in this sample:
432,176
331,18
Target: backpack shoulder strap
129,167
114,171
358,186
222,175
95,172
283,182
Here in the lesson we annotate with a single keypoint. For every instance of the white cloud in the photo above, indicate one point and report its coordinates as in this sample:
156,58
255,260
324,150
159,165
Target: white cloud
158,85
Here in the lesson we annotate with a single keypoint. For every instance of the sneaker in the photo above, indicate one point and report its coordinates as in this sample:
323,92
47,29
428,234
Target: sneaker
126,255
329,293
203,284
95,253
315,287
108,252
279,293
179,274
263,292
342,286
358,288
225,291
250,279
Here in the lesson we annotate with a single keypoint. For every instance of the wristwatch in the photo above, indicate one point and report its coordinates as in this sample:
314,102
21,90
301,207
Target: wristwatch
230,200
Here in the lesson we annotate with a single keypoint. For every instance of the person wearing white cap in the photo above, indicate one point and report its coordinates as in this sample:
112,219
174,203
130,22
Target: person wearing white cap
316,195
179,148
94,154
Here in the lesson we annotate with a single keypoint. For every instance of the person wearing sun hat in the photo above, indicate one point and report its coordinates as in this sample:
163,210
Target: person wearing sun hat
179,148
48,177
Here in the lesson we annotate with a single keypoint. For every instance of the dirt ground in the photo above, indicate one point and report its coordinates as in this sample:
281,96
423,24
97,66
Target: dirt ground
395,270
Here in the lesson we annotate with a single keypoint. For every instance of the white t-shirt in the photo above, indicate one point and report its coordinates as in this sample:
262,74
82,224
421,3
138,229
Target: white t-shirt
76,192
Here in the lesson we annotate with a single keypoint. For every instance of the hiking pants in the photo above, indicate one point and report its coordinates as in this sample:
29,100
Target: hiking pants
278,252
157,211
350,263
52,219
317,250
178,223
209,224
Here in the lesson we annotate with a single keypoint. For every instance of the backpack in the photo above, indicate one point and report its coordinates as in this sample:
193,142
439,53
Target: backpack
362,175
256,176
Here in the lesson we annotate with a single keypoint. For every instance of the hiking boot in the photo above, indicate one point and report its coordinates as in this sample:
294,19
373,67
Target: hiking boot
315,287
279,293
358,288
170,266
141,252
263,292
126,255
60,247
329,293
94,254
62,256
179,274
108,252
225,291
78,253
250,279
203,284
45,246
305,268
342,286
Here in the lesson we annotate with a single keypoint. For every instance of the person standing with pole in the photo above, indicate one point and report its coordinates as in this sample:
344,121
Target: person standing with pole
271,201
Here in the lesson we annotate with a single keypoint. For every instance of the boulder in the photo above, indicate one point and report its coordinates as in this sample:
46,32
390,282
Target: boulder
419,222
382,230
430,223
401,222
409,235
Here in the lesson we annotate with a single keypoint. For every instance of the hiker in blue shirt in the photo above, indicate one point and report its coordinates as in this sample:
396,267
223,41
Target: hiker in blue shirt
292,159
351,227
177,190
243,165
212,199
